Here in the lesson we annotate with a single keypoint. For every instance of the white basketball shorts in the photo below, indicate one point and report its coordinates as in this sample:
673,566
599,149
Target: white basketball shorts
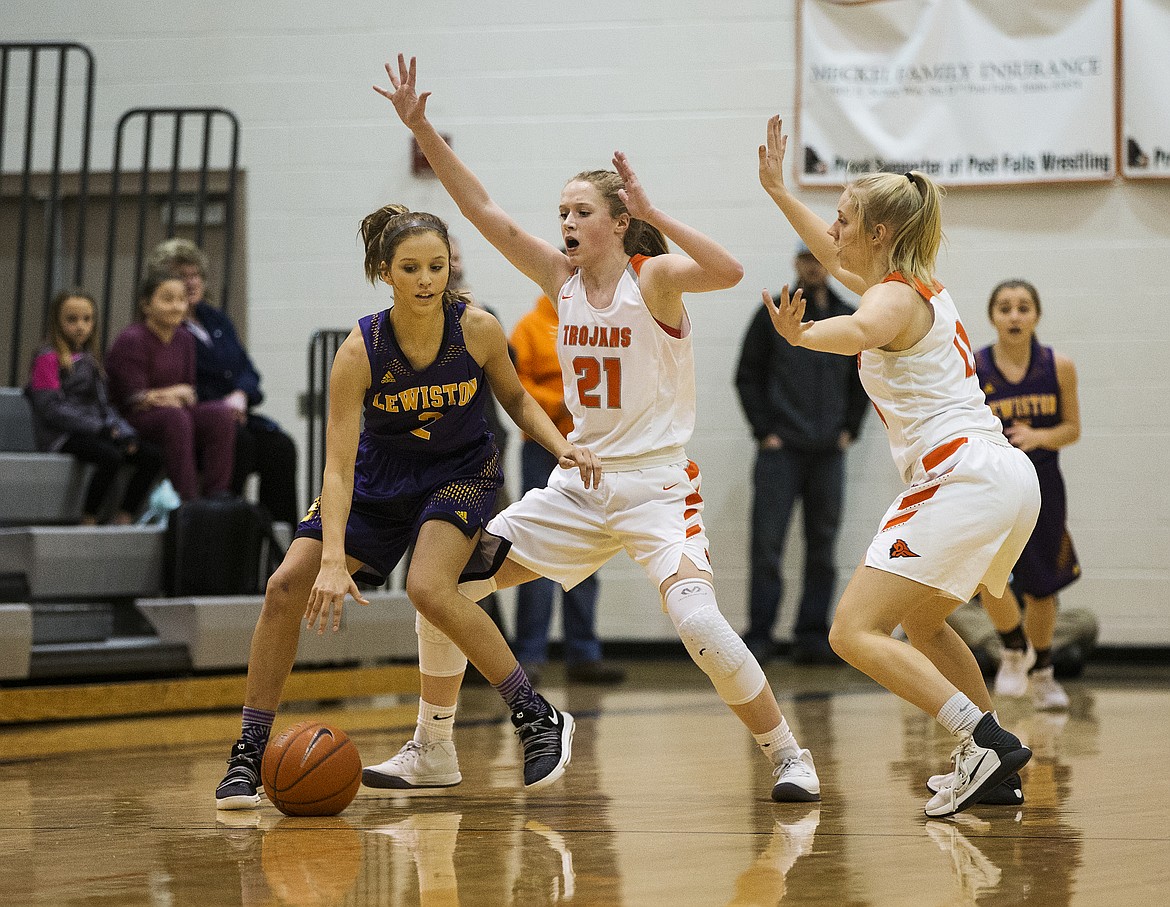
566,531
965,522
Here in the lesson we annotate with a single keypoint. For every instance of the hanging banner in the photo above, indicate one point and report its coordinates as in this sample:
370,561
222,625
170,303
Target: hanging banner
971,92
1145,103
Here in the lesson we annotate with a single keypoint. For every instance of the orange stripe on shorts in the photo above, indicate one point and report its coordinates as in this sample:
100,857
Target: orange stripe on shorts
898,520
918,497
939,454
694,530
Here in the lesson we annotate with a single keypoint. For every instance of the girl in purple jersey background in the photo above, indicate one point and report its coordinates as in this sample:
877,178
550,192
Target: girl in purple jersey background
1033,390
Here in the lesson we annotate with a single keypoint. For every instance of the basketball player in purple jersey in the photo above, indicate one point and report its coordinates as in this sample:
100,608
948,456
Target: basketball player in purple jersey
423,469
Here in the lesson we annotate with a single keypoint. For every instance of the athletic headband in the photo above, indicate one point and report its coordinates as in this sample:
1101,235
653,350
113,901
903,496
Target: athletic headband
409,225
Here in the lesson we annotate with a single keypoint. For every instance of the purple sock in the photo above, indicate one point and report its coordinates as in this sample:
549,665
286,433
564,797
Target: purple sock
518,693
257,725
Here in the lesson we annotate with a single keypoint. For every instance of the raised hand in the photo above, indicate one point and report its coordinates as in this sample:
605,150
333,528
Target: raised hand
633,196
772,158
787,315
411,106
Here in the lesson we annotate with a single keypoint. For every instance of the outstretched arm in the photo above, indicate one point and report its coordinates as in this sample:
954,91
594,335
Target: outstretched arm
537,259
812,230
884,315
709,267
487,343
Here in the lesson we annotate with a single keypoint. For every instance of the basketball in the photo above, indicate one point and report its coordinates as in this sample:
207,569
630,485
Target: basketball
311,769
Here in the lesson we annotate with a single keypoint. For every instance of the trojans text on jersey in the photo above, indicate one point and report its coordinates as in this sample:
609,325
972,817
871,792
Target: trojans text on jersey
597,335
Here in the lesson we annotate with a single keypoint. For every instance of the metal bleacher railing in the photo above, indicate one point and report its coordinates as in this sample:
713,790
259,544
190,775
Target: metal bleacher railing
41,93
155,125
323,346
184,176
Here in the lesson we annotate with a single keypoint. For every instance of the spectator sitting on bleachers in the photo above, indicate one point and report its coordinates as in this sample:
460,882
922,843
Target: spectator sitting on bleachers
72,414
224,372
151,365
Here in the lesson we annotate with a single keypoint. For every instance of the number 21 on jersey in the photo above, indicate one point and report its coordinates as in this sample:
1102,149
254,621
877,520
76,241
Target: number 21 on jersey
592,373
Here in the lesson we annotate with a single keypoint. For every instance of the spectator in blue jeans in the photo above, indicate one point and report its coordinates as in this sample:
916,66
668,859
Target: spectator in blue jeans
533,345
805,408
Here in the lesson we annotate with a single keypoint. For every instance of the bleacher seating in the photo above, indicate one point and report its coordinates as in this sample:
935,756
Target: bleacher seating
217,631
88,601
15,641
35,488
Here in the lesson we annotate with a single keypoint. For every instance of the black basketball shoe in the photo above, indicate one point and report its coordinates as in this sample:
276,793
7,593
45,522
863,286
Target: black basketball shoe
548,744
241,787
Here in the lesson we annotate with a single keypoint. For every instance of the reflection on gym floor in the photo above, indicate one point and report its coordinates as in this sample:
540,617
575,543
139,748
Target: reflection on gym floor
666,802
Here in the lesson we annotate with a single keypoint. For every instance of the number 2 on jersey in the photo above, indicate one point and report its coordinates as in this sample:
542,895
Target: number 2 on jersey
591,372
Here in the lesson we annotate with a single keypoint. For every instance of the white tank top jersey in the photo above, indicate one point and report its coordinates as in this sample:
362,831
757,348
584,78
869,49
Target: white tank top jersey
929,393
629,380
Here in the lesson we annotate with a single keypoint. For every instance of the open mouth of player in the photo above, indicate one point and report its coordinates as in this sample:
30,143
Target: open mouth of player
571,244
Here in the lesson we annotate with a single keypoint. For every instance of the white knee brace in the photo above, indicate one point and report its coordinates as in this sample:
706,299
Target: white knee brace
437,655
710,641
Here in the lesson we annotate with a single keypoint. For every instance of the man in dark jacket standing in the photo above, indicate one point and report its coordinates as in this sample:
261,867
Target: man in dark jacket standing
805,409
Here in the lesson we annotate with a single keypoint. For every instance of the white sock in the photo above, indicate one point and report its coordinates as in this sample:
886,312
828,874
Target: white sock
779,743
435,723
959,715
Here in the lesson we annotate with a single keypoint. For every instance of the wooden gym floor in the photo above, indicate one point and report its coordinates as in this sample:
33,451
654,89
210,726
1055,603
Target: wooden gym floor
665,803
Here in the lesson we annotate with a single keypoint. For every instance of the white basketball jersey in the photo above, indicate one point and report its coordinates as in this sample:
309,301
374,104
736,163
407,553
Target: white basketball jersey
629,380
929,393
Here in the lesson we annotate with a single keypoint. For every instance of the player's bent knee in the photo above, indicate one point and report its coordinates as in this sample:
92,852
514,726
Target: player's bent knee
478,589
841,642
437,655
281,598
711,642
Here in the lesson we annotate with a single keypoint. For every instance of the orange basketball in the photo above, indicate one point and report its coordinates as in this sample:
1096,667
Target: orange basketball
311,769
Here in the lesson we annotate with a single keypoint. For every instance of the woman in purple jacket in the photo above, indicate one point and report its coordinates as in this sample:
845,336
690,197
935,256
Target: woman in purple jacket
152,381
224,371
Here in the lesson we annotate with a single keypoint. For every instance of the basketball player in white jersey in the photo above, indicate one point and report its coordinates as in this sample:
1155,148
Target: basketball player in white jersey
625,349
973,498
